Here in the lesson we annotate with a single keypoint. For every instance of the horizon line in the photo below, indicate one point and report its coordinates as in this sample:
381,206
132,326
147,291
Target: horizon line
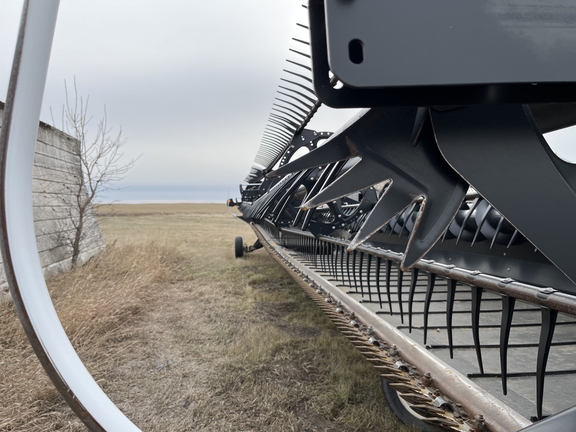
149,201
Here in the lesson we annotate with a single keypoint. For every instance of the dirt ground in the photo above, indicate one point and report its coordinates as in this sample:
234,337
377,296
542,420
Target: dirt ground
184,337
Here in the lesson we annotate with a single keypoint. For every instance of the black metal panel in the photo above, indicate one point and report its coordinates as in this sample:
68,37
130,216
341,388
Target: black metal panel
451,53
389,152
562,422
502,154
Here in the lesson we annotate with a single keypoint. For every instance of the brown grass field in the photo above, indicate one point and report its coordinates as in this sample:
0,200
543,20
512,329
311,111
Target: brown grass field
184,337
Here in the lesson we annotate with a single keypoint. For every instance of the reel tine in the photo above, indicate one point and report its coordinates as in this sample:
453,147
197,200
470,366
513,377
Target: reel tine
476,303
296,115
309,107
378,266
304,112
300,85
301,53
301,41
388,273
427,301
414,272
399,290
549,317
361,274
285,120
298,75
451,294
309,99
506,323
368,272
299,64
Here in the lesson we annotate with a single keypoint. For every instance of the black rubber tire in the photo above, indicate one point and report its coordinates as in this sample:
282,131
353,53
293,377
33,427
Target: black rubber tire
238,247
400,410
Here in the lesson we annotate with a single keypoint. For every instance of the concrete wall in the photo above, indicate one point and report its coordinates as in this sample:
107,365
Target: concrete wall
55,180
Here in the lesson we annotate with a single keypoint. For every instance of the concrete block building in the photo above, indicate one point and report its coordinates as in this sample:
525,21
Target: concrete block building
56,177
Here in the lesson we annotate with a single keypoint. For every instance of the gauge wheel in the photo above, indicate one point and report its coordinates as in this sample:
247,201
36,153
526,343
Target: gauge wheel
238,247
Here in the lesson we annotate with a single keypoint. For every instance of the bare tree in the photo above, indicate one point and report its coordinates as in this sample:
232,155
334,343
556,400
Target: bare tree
99,154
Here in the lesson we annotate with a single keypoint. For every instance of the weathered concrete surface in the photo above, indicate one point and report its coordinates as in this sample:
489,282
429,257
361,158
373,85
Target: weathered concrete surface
55,186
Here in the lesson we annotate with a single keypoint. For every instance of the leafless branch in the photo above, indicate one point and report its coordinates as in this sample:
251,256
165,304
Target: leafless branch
98,153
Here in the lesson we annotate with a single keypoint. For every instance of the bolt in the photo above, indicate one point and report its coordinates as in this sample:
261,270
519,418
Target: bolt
426,380
459,411
478,423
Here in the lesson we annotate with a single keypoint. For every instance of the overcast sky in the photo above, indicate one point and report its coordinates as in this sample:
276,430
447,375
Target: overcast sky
191,83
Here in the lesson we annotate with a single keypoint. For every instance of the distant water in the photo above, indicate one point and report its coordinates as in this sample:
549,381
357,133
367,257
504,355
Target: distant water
172,194
161,202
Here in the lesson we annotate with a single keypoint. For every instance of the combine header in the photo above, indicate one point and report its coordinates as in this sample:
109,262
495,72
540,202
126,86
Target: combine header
435,228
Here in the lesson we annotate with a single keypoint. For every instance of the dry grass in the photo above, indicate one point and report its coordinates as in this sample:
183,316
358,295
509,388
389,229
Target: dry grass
97,305
183,337
149,209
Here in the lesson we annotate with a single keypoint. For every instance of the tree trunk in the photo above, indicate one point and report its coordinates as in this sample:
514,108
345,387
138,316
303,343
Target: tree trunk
77,237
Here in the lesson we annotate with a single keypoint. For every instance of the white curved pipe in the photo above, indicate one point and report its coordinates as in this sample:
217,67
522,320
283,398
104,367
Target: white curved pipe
18,240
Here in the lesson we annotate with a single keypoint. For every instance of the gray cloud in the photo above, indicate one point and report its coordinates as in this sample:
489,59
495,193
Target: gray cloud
190,83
